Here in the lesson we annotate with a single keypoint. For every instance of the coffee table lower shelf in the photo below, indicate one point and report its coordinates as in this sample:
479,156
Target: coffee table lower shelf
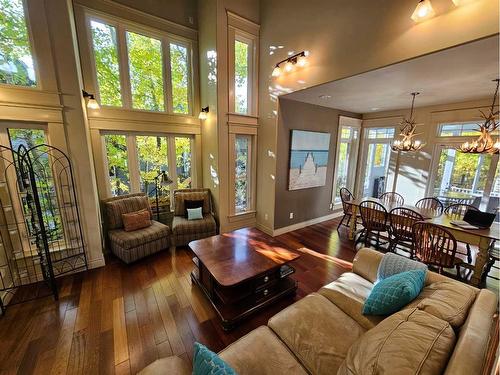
232,313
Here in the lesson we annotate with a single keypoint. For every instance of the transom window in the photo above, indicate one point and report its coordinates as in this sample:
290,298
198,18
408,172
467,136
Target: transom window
153,74
134,160
376,133
458,130
16,59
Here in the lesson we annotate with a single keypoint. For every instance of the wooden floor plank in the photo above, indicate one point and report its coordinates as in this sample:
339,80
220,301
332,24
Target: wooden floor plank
120,343
63,347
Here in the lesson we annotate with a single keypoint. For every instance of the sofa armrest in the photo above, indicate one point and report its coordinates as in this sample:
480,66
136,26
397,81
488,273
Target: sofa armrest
366,263
167,366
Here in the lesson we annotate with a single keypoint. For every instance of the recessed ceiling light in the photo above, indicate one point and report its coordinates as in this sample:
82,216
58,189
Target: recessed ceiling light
325,96
375,108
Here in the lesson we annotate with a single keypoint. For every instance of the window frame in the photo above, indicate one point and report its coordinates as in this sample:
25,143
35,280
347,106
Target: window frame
133,158
122,27
251,133
352,156
33,51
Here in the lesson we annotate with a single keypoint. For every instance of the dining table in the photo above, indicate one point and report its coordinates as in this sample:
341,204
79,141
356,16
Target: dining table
482,238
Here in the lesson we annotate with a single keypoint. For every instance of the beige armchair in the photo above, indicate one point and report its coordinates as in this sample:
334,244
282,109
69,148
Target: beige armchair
137,244
184,230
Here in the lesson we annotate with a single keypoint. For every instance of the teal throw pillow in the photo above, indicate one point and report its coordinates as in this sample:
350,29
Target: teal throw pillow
390,295
195,213
206,362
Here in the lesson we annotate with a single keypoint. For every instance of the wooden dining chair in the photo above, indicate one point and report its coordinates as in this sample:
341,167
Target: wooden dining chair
345,197
431,204
392,198
401,221
374,219
456,211
435,246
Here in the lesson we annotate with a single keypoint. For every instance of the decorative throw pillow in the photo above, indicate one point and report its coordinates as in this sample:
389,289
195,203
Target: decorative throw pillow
195,213
392,264
188,203
391,294
136,220
206,362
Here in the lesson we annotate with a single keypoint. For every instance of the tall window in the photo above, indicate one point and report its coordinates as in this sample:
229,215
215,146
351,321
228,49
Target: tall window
242,182
347,153
241,73
461,177
16,60
179,71
134,160
146,77
376,161
138,70
106,63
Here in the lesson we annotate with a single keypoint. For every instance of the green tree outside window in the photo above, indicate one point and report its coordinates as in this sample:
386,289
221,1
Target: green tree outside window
180,78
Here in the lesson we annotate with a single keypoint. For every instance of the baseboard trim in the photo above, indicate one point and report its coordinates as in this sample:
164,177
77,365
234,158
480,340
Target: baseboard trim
265,229
96,263
279,231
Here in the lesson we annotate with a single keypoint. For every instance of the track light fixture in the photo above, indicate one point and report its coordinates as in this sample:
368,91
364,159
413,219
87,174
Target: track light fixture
91,102
288,65
423,11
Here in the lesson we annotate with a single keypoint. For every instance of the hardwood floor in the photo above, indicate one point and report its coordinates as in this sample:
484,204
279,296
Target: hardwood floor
119,318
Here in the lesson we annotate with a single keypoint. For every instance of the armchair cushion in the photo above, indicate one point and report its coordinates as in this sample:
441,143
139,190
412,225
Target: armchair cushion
127,240
181,225
191,194
115,207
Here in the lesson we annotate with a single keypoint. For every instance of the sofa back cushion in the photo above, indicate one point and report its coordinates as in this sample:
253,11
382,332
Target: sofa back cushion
115,207
193,195
411,341
446,300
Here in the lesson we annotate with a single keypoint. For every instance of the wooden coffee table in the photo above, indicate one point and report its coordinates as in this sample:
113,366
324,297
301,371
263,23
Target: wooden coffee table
241,272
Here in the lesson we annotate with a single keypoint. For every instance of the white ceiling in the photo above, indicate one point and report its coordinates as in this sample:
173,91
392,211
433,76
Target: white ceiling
454,75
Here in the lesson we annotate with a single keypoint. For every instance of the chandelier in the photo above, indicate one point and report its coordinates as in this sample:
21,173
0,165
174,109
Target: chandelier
485,144
408,127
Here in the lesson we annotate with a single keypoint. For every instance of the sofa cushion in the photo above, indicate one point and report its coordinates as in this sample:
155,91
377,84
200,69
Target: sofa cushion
181,225
317,332
180,196
261,352
411,341
366,262
129,240
447,300
391,294
349,293
168,365
116,207
393,264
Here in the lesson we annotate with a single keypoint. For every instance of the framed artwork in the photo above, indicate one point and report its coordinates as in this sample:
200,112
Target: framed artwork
308,159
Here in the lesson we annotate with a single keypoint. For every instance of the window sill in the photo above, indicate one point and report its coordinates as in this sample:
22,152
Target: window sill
242,216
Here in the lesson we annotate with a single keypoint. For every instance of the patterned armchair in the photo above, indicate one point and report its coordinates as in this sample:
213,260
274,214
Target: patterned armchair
137,244
184,230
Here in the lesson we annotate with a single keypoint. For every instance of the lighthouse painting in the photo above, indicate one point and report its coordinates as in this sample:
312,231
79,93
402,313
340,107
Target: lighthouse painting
308,159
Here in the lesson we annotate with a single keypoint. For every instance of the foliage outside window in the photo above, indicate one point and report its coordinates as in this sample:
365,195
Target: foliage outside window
242,173
152,157
106,63
241,51
179,71
16,60
146,76
381,133
347,153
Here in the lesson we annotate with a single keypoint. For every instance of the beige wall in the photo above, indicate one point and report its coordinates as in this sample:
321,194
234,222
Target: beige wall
413,176
344,39
306,204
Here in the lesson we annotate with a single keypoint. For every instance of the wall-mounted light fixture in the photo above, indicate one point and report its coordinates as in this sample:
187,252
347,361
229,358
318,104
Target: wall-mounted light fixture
287,65
459,3
91,102
423,11
204,113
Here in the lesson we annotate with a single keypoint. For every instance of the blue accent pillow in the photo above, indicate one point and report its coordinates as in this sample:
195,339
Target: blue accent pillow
206,362
390,295
195,213
392,264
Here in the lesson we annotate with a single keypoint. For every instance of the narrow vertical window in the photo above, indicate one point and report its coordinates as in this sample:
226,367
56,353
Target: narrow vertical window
153,158
179,71
16,60
241,77
118,169
146,76
242,173
107,68
183,162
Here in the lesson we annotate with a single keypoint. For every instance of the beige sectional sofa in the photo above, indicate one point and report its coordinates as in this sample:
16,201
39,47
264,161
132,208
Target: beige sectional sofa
447,329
